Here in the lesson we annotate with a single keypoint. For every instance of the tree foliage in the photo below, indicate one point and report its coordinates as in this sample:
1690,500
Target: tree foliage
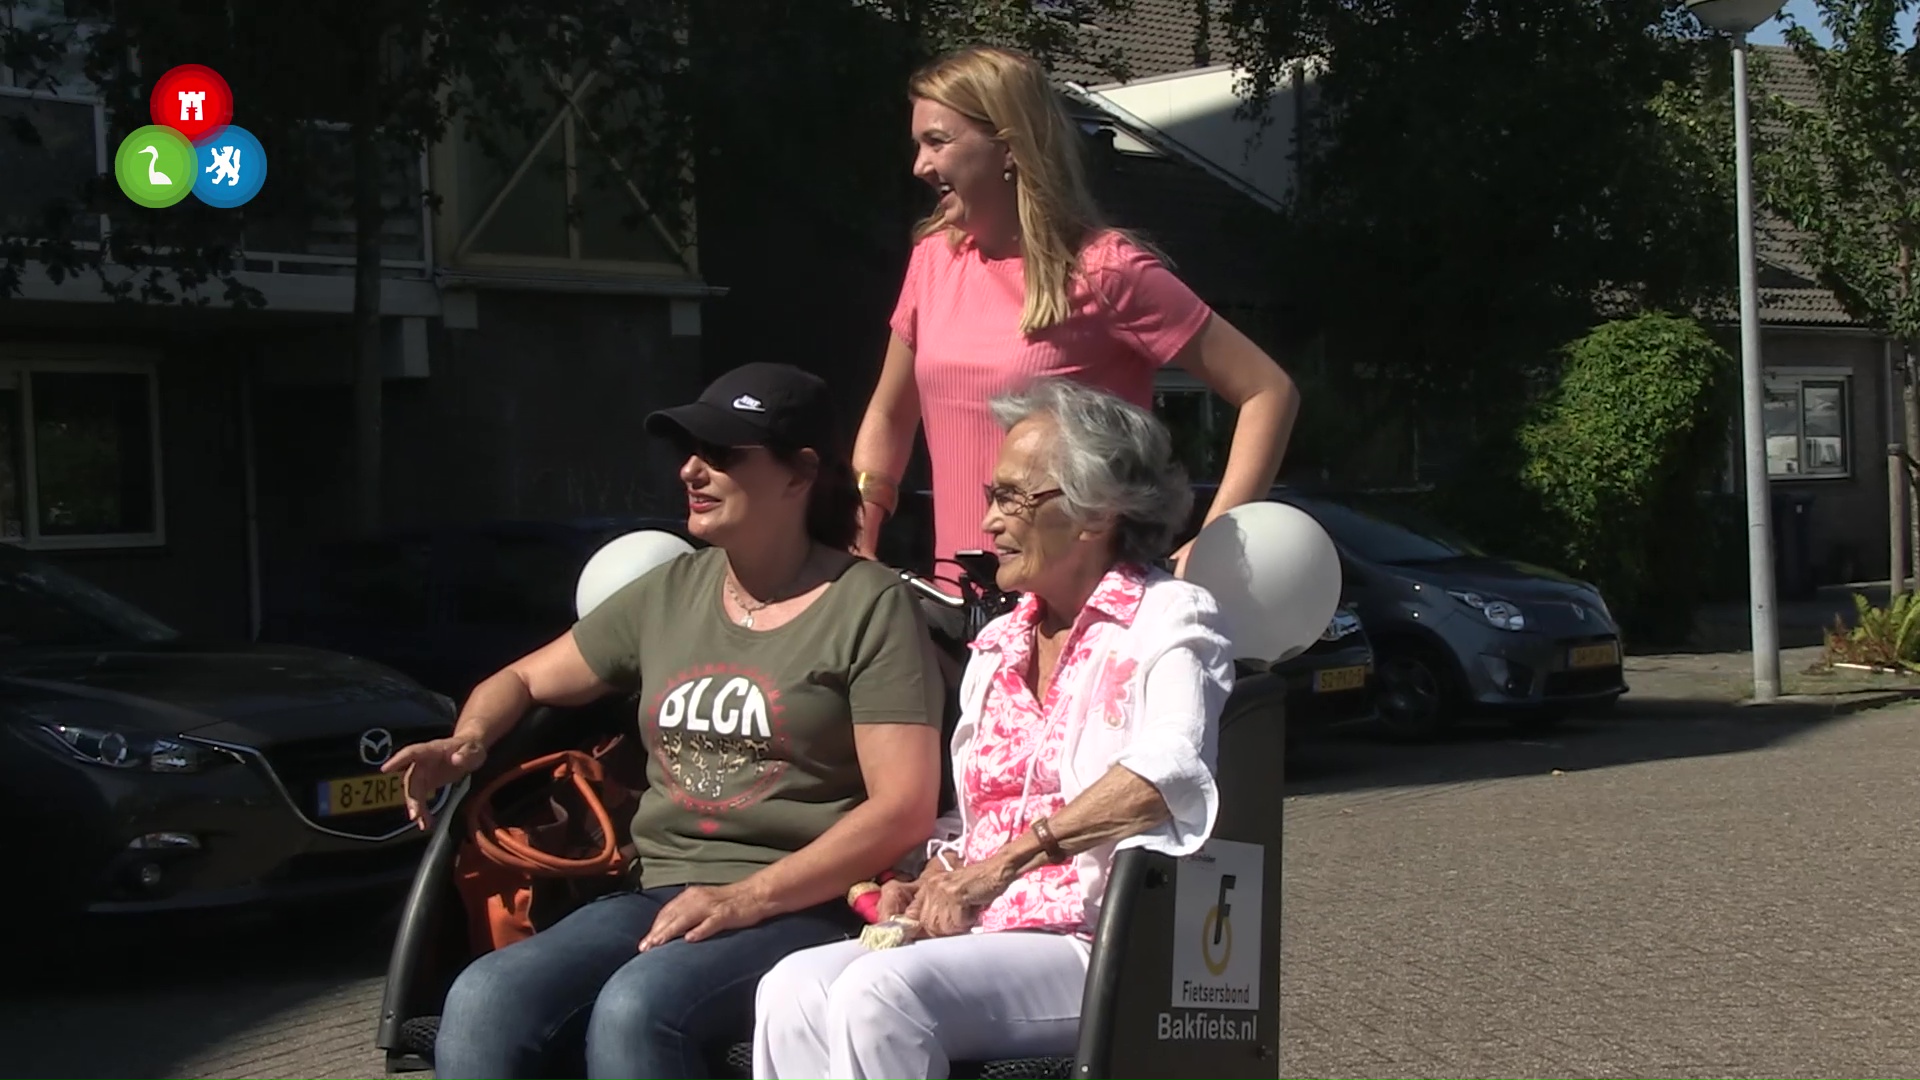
1619,452
1847,172
1481,179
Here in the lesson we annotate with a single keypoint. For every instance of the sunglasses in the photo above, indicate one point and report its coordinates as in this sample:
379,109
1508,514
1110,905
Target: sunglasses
1013,502
715,455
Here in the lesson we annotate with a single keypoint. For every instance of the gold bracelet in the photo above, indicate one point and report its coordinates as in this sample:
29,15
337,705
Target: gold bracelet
878,490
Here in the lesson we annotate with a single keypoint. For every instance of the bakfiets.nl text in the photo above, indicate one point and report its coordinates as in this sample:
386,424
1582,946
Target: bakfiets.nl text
1206,1027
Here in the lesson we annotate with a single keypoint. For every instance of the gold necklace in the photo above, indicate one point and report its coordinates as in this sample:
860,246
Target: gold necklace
747,610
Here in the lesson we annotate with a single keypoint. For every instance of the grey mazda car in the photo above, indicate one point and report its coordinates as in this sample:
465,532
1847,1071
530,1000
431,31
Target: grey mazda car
1457,630
148,773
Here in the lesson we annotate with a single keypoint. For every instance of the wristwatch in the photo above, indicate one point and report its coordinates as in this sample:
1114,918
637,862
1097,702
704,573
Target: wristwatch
1048,843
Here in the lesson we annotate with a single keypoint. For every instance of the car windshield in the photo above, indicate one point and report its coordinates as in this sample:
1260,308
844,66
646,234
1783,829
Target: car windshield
1387,536
43,606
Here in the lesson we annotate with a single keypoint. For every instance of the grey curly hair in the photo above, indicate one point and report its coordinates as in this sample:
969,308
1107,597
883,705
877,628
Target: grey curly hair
1111,459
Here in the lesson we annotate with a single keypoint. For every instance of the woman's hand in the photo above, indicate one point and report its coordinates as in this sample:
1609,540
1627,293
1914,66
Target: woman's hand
701,911
432,765
948,904
896,897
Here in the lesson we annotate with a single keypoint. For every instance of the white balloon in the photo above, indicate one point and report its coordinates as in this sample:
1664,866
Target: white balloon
1275,574
622,561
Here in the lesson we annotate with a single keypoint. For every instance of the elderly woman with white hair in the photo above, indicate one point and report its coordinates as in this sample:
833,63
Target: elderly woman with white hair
1088,721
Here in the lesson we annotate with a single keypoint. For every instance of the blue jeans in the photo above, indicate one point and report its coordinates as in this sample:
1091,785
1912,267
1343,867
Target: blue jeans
577,999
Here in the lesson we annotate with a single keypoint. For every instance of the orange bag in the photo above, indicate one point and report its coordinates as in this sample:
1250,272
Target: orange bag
563,848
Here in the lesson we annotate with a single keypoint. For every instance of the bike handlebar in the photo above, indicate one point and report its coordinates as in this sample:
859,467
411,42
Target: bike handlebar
933,592
979,597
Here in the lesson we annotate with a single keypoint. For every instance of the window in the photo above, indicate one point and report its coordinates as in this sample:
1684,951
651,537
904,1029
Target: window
79,454
553,199
1807,426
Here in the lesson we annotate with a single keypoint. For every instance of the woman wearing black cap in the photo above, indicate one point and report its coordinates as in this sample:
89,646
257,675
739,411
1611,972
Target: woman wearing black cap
790,707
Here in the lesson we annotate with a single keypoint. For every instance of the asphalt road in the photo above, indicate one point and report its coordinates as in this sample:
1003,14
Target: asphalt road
1684,890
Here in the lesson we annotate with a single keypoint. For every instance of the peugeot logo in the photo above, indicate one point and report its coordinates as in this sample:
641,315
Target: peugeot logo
376,746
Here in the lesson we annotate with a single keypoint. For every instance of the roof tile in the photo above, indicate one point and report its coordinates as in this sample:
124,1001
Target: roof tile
1154,37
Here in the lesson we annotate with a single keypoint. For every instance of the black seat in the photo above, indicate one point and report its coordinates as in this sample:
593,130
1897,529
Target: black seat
1131,1025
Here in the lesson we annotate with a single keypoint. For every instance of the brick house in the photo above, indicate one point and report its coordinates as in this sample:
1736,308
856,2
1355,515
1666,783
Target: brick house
174,455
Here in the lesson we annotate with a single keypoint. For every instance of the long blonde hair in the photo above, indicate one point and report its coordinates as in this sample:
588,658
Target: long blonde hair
1008,91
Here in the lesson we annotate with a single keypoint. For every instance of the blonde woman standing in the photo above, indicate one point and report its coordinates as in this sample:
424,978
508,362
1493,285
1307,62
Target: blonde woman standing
1015,276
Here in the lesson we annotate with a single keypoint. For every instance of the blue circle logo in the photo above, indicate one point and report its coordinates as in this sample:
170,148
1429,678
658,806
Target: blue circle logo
232,167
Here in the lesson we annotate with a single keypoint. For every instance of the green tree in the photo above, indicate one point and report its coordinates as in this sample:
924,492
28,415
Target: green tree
1847,173
1480,180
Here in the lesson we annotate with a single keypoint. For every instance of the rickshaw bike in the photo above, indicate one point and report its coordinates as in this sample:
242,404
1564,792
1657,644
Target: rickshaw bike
1184,976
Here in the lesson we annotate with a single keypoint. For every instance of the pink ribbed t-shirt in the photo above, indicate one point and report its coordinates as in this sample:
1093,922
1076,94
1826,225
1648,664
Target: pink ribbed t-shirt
960,313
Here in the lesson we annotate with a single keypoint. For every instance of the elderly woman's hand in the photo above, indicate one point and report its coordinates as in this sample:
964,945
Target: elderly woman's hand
948,904
896,897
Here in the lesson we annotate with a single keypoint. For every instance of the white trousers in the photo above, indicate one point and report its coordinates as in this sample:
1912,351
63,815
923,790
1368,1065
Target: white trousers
844,1011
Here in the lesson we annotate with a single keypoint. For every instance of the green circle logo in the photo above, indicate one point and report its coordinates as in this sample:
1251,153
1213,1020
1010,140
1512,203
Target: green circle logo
156,166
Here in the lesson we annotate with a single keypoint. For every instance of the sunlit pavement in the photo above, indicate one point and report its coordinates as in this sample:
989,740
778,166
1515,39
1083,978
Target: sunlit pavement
1676,891
1725,895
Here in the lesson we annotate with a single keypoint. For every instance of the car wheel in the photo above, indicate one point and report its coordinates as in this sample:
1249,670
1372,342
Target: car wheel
1416,696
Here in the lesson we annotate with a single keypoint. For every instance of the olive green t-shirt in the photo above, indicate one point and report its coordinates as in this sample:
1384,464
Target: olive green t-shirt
749,733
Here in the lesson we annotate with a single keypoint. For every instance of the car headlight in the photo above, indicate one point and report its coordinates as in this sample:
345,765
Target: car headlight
1343,624
446,704
1499,613
123,750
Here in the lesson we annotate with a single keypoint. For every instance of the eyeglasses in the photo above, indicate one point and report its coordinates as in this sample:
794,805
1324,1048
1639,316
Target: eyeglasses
1013,502
716,456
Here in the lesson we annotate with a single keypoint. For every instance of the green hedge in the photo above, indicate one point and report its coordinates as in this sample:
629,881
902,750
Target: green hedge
1616,458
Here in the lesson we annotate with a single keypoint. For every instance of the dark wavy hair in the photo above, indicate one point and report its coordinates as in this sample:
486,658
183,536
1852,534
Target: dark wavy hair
833,506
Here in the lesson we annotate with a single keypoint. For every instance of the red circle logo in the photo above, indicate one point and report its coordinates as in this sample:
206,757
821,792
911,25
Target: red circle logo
194,100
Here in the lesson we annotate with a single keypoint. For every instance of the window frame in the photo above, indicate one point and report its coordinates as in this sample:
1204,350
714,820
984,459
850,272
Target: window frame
21,362
460,243
1799,379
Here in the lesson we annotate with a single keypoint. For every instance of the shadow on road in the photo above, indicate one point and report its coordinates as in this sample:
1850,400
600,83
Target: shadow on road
1642,729
161,997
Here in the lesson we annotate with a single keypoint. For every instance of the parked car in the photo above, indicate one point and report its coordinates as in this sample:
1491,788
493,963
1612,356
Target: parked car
1458,630
143,772
447,606
1332,683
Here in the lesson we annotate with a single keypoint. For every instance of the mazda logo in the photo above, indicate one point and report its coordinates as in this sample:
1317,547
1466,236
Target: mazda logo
376,746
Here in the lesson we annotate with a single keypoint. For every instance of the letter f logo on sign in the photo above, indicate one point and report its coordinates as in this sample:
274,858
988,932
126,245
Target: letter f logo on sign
1216,933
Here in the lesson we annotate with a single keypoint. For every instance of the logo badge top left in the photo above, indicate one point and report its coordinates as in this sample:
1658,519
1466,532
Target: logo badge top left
194,100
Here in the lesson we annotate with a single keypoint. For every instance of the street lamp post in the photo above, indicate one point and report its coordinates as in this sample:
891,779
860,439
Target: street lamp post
1738,18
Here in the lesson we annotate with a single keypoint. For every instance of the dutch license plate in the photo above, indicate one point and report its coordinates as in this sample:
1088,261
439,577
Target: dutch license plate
1592,656
362,794
1340,678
